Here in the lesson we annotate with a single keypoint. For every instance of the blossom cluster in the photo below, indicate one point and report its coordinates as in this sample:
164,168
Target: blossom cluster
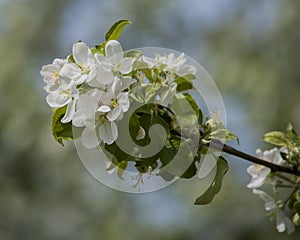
261,175
95,87
102,91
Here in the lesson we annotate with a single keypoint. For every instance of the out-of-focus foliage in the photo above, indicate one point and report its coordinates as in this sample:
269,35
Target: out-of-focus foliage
250,48
256,54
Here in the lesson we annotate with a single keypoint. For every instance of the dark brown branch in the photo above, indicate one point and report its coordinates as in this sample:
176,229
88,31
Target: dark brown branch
232,151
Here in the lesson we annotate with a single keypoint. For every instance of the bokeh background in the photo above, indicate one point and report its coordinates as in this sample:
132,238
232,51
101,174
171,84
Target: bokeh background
250,48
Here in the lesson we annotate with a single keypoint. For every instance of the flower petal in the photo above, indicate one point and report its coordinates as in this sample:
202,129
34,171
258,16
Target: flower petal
284,223
108,132
141,133
71,70
89,137
114,114
123,101
269,201
126,82
104,109
79,119
69,113
80,53
57,100
116,86
104,76
112,48
259,174
126,65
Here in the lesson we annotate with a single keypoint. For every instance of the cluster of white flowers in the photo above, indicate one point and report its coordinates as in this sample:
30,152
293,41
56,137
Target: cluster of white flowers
95,87
259,177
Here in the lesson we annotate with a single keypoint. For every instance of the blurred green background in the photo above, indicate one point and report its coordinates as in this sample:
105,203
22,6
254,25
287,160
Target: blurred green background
250,48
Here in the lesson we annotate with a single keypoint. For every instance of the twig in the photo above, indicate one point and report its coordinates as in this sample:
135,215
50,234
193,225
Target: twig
232,151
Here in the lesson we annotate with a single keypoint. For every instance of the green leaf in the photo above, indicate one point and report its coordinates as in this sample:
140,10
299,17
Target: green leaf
290,130
291,133
292,200
134,126
121,166
71,59
296,219
194,105
277,138
116,29
99,48
169,151
223,135
215,187
297,195
183,83
186,108
61,131
190,172
133,54
296,207
116,153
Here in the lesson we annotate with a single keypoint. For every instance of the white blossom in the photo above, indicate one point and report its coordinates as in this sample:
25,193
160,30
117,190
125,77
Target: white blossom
108,132
283,223
115,60
66,94
113,64
50,72
170,63
97,118
260,173
86,108
86,116
114,101
83,70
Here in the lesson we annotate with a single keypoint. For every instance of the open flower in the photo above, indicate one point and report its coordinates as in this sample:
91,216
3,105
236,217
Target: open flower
83,70
283,223
50,72
86,108
86,116
258,172
98,122
115,60
113,64
66,94
170,63
114,101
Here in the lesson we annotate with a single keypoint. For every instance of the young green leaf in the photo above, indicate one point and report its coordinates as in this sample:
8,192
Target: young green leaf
194,105
215,187
277,138
223,135
116,29
61,131
121,168
133,54
99,48
296,207
184,82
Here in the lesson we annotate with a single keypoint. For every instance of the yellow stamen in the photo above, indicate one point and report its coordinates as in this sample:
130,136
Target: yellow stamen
102,119
113,103
56,74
